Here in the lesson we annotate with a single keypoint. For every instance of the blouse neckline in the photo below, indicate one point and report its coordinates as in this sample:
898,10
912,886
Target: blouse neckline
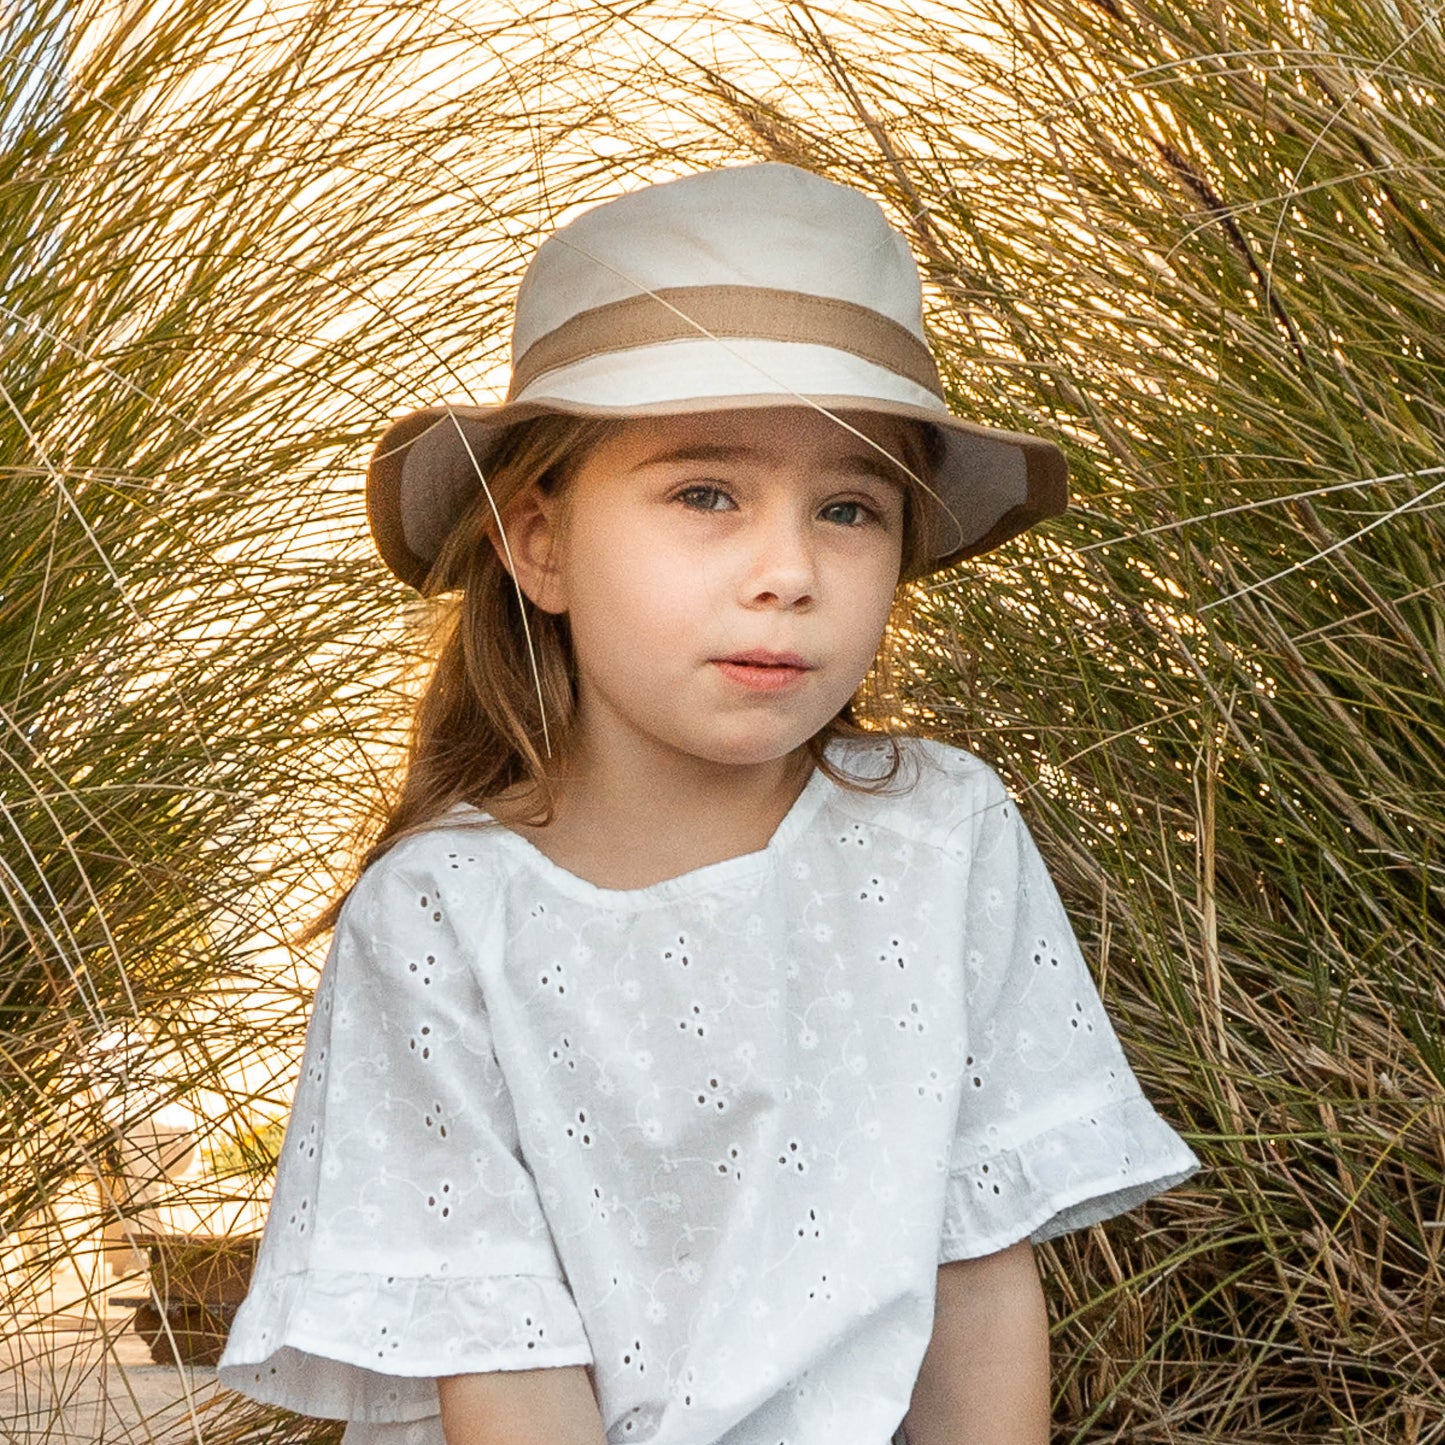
707,878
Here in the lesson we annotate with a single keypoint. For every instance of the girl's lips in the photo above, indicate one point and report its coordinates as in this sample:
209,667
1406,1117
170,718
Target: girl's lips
760,671
762,657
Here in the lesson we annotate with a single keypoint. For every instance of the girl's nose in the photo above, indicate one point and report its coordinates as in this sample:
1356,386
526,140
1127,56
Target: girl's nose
783,571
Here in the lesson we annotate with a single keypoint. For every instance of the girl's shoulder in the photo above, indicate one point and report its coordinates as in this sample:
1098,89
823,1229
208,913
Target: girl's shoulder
462,841
941,795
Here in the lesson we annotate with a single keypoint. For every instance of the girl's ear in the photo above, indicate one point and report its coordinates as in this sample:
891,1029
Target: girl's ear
530,550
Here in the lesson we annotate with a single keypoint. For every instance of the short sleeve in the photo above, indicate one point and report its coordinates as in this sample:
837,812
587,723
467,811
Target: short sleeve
1053,1131
405,1239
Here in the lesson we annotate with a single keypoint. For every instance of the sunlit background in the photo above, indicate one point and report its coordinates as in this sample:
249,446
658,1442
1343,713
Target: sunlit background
1201,246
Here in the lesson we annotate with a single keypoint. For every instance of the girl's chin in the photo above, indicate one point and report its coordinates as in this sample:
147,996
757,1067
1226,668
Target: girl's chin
757,749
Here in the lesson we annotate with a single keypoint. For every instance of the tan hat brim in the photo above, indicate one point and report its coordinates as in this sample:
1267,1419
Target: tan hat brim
991,484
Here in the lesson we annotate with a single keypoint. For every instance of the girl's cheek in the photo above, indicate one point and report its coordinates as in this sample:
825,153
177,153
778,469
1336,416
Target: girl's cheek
689,572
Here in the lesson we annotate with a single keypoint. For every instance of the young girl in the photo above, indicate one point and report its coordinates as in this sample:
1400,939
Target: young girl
691,1065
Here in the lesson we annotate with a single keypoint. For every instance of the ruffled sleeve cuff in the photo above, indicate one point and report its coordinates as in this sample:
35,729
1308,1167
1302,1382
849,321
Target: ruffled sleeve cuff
1065,1176
370,1347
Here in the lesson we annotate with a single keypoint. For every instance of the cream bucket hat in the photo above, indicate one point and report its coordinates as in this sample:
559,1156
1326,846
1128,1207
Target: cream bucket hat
749,286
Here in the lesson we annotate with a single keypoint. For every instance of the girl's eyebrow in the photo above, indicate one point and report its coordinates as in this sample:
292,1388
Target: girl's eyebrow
866,464
700,452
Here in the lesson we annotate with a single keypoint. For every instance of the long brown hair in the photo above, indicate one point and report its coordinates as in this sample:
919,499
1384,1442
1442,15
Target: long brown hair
503,676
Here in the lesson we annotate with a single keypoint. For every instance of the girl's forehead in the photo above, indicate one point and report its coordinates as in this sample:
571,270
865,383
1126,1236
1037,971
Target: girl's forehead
760,434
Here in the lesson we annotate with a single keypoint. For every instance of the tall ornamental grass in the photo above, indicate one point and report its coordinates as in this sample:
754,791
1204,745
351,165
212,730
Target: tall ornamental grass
1201,245
237,239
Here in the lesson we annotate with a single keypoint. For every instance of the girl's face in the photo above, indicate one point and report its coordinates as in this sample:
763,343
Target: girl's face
726,578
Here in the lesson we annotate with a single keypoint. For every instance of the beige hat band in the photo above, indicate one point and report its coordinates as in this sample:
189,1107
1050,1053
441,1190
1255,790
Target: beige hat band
684,313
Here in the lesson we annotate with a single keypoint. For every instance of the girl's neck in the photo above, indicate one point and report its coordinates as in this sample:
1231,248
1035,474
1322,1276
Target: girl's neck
629,827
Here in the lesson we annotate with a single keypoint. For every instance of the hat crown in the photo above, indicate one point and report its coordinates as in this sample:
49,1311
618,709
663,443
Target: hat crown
749,286
771,225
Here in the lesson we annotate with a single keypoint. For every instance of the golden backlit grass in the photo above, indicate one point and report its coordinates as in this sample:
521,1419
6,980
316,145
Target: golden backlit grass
1201,245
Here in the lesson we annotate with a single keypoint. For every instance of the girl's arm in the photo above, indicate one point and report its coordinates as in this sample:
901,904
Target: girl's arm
552,1406
985,1376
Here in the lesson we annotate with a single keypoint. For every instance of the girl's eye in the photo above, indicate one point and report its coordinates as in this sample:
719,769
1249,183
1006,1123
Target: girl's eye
848,514
706,499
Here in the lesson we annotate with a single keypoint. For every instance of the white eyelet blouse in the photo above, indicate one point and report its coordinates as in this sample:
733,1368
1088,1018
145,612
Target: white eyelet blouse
711,1137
